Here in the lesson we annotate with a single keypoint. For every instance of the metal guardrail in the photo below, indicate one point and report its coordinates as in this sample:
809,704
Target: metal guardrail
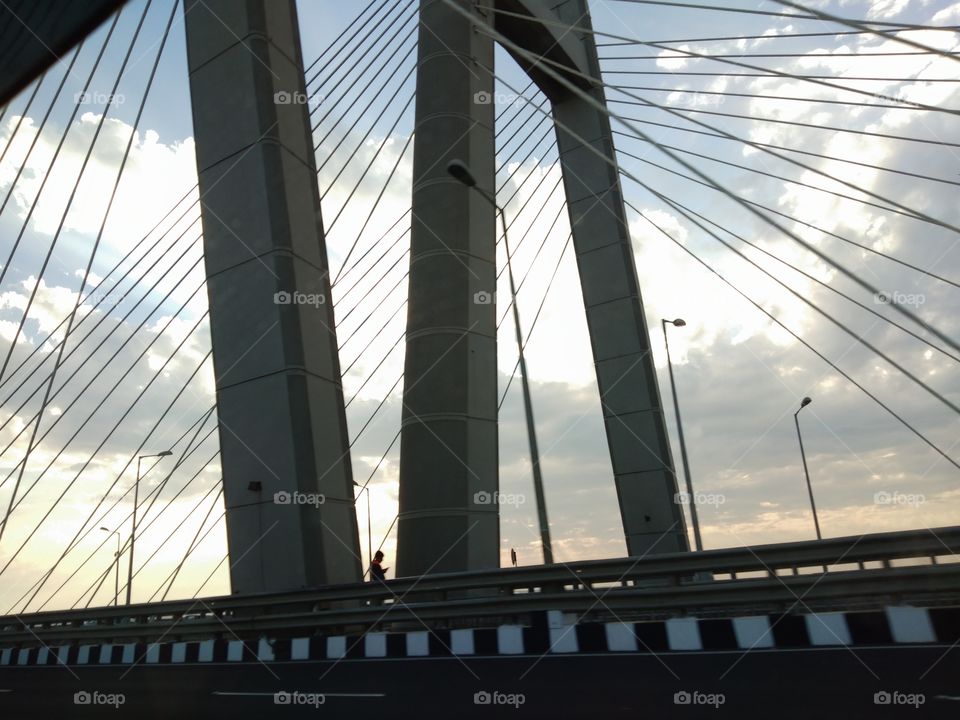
707,583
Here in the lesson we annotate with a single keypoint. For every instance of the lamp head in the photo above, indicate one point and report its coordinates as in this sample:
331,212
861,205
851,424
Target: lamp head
165,453
679,322
460,172
104,529
806,401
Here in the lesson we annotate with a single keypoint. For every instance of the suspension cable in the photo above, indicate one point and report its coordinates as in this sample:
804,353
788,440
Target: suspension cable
16,486
374,206
22,463
795,123
189,450
339,37
386,29
346,56
822,156
788,98
89,357
194,544
691,54
811,15
827,286
553,276
864,26
56,153
545,67
99,447
82,535
805,223
38,133
96,290
797,337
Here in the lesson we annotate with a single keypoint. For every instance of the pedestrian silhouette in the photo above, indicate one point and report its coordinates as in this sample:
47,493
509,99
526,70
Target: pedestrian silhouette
377,572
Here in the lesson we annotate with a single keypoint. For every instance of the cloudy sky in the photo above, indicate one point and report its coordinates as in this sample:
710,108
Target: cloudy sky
739,375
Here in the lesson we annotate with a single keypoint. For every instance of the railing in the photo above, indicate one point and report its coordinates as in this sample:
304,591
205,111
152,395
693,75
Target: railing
862,571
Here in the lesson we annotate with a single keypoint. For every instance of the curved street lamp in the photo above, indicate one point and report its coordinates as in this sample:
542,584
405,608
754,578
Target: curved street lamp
694,519
460,172
133,527
365,488
116,563
813,507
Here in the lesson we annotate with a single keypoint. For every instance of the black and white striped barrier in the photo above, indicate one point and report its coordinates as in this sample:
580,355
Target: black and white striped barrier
550,634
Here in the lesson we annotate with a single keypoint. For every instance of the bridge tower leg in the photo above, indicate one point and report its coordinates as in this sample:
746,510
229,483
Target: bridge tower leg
283,434
630,396
448,445
637,438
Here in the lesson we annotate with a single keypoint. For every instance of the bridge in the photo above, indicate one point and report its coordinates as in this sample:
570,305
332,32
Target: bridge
330,286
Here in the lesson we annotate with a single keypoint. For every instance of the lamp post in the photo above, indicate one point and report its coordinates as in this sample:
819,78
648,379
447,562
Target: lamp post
133,528
369,531
813,507
116,563
680,322
459,171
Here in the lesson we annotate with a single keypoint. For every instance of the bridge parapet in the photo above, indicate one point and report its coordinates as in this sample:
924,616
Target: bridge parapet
864,573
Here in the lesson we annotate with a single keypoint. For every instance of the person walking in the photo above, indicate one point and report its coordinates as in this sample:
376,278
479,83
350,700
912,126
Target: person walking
377,571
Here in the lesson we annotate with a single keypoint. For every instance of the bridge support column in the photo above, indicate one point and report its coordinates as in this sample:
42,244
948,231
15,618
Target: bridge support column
448,446
630,396
283,435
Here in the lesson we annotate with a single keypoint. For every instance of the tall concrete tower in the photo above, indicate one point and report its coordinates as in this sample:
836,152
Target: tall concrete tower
448,443
637,437
287,476
283,435
446,447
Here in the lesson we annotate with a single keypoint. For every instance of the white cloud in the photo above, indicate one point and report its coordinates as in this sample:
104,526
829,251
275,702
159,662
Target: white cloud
154,170
675,58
